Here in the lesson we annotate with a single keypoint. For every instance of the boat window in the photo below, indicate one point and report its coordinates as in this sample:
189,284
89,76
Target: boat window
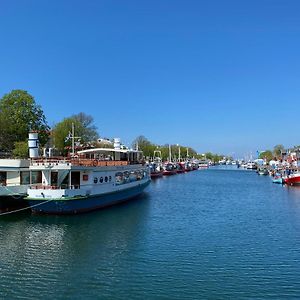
123,156
95,179
54,178
119,178
65,183
132,176
109,178
2,178
144,173
36,177
106,179
25,177
126,176
138,175
101,180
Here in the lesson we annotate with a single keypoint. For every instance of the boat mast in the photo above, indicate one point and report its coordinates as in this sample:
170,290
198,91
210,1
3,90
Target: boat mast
178,152
73,140
170,155
72,137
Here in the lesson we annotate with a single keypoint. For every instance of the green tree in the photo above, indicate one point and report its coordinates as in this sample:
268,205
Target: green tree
5,138
89,129
144,145
21,150
268,155
19,114
278,149
84,130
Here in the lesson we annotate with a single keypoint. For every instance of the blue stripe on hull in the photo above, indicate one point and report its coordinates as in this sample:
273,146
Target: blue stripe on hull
86,204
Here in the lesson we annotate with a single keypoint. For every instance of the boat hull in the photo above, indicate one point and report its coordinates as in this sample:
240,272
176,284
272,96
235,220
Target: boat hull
180,171
263,173
168,173
10,203
85,204
278,180
156,175
292,180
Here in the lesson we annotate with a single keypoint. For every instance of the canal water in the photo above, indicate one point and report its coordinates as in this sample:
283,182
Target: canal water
210,234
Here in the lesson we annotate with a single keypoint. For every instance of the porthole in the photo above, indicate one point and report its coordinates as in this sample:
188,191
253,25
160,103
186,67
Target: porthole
109,178
95,179
101,180
106,179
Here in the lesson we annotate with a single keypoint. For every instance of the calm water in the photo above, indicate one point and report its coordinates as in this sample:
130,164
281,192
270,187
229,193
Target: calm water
206,234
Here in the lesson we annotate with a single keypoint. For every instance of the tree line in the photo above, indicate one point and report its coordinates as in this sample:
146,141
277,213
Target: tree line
277,153
20,114
148,149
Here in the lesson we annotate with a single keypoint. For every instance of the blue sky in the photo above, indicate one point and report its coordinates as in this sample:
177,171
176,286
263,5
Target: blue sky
221,76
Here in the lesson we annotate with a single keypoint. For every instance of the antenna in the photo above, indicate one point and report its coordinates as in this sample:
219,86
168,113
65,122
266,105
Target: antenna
72,136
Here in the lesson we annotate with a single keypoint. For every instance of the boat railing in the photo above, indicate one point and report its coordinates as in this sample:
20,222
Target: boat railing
53,187
97,163
50,161
79,162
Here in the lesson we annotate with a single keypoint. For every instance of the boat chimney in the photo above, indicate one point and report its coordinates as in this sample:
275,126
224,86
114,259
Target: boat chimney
117,143
33,144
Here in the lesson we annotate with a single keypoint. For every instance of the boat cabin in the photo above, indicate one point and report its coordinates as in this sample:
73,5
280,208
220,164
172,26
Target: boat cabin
107,154
99,166
14,172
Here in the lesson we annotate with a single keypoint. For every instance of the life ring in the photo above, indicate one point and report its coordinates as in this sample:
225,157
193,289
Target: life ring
95,163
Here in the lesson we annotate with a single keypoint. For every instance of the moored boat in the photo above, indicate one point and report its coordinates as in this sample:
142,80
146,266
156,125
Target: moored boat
14,181
169,169
278,179
203,164
93,179
180,167
156,167
156,170
251,165
292,179
263,171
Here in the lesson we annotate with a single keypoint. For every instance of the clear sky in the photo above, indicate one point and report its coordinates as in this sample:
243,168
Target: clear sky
221,76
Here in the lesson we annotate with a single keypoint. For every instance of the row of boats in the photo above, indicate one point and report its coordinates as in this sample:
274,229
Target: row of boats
159,169
288,176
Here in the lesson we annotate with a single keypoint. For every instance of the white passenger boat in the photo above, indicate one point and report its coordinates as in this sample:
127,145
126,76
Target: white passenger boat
92,179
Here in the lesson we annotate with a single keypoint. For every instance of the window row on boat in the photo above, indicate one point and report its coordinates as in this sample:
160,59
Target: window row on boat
102,179
130,176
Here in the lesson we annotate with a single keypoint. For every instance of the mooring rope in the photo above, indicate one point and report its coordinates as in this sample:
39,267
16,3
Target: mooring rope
21,209
11,193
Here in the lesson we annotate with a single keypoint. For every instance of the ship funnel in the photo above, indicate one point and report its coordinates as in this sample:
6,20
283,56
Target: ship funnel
117,143
33,145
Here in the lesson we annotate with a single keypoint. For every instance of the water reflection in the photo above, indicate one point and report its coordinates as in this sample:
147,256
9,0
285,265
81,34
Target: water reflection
45,246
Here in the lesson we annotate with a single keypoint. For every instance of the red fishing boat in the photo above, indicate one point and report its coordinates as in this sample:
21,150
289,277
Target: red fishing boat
169,169
180,167
293,179
156,170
